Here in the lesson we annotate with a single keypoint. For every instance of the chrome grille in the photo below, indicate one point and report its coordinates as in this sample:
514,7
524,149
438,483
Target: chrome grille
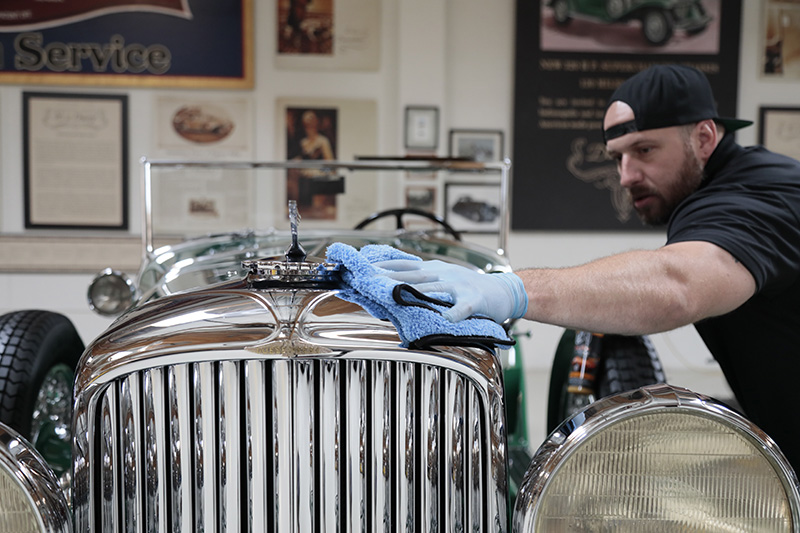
304,444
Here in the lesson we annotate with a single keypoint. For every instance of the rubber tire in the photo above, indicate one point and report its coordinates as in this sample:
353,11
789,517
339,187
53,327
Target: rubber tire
626,363
31,343
561,12
663,20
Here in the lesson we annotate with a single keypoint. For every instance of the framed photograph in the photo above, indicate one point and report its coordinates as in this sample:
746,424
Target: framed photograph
421,197
779,130
75,160
477,145
473,207
422,127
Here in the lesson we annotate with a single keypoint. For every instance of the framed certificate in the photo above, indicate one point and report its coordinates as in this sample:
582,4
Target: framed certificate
75,160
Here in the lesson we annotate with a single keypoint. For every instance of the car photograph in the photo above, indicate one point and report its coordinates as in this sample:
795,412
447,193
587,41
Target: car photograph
267,380
659,19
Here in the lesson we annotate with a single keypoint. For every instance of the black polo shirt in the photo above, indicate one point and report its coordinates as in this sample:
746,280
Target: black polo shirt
749,205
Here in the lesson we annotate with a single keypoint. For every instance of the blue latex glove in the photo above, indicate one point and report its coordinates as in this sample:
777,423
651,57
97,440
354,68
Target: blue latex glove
497,296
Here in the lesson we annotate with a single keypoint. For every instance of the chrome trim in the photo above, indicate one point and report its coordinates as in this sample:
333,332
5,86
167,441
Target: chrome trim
563,440
25,466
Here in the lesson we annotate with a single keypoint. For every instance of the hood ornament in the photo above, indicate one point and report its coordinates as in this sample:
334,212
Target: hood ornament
295,252
294,270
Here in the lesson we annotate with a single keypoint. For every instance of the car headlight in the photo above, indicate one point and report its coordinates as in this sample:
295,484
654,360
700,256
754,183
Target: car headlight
110,293
659,458
30,500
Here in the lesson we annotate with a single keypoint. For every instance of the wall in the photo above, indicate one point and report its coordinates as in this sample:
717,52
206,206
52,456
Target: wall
455,54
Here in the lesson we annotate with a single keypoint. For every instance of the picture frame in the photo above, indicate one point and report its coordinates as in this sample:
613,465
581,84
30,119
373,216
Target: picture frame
476,144
422,127
779,130
75,160
473,207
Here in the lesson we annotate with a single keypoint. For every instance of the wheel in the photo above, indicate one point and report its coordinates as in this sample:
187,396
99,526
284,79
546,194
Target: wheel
400,213
626,363
657,26
39,351
561,12
615,8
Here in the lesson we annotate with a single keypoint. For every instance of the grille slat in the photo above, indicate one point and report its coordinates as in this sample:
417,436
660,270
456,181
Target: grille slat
321,445
181,467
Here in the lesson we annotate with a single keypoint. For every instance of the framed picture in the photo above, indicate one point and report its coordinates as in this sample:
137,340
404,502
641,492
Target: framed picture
473,207
421,197
477,145
75,160
422,127
779,130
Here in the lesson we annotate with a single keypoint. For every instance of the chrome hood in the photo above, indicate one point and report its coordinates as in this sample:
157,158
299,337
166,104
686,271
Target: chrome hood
270,400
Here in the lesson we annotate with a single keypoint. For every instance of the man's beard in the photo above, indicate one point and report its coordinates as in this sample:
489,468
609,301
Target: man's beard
688,178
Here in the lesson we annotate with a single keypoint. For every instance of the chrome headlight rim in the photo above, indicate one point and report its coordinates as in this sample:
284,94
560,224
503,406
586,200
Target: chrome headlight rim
26,467
125,292
566,440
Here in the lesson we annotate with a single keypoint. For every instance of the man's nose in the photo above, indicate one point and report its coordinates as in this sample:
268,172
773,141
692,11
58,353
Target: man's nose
629,172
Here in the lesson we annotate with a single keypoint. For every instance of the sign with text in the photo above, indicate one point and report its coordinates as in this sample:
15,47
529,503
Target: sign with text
567,66
163,43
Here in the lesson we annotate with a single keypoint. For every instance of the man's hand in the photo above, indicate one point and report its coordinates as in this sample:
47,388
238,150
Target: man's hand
497,296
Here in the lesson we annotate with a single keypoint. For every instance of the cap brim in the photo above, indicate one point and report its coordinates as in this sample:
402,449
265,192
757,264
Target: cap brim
733,124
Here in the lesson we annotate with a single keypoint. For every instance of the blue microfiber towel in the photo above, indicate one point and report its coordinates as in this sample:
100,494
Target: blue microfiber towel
415,315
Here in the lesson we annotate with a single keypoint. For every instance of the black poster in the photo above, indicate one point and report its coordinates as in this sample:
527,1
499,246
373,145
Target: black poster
570,56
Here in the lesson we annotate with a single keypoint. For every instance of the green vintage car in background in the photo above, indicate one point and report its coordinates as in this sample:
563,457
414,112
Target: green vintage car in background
237,392
660,19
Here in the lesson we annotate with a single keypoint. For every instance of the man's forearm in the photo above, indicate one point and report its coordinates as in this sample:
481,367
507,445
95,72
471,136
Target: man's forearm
639,292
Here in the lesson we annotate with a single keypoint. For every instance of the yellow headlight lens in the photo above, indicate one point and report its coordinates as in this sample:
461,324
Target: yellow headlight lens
17,513
665,470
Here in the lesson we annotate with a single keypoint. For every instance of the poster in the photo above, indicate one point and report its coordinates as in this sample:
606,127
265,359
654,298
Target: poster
202,127
781,39
567,66
328,34
322,129
149,43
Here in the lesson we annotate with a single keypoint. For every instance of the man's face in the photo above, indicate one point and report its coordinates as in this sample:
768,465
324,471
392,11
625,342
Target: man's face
658,168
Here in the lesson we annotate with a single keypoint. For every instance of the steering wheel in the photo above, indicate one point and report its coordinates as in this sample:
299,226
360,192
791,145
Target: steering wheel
399,213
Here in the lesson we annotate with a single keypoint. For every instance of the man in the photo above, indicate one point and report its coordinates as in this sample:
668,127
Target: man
730,265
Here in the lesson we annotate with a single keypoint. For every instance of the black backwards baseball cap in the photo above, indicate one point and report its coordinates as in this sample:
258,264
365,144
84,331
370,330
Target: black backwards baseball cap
667,95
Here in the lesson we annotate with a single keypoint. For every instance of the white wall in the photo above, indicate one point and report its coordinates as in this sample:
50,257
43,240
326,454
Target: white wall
455,54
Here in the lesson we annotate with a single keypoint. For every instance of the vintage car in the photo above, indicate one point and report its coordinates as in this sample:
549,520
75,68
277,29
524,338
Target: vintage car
659,18
237,391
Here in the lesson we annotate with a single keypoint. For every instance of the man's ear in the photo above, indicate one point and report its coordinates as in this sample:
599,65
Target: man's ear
708,138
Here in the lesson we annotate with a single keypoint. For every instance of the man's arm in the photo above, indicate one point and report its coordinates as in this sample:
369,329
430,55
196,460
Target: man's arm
640,292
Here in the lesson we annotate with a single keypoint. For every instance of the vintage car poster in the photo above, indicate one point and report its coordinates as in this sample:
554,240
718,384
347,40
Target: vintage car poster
127,43
341,130
568,63
328,34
